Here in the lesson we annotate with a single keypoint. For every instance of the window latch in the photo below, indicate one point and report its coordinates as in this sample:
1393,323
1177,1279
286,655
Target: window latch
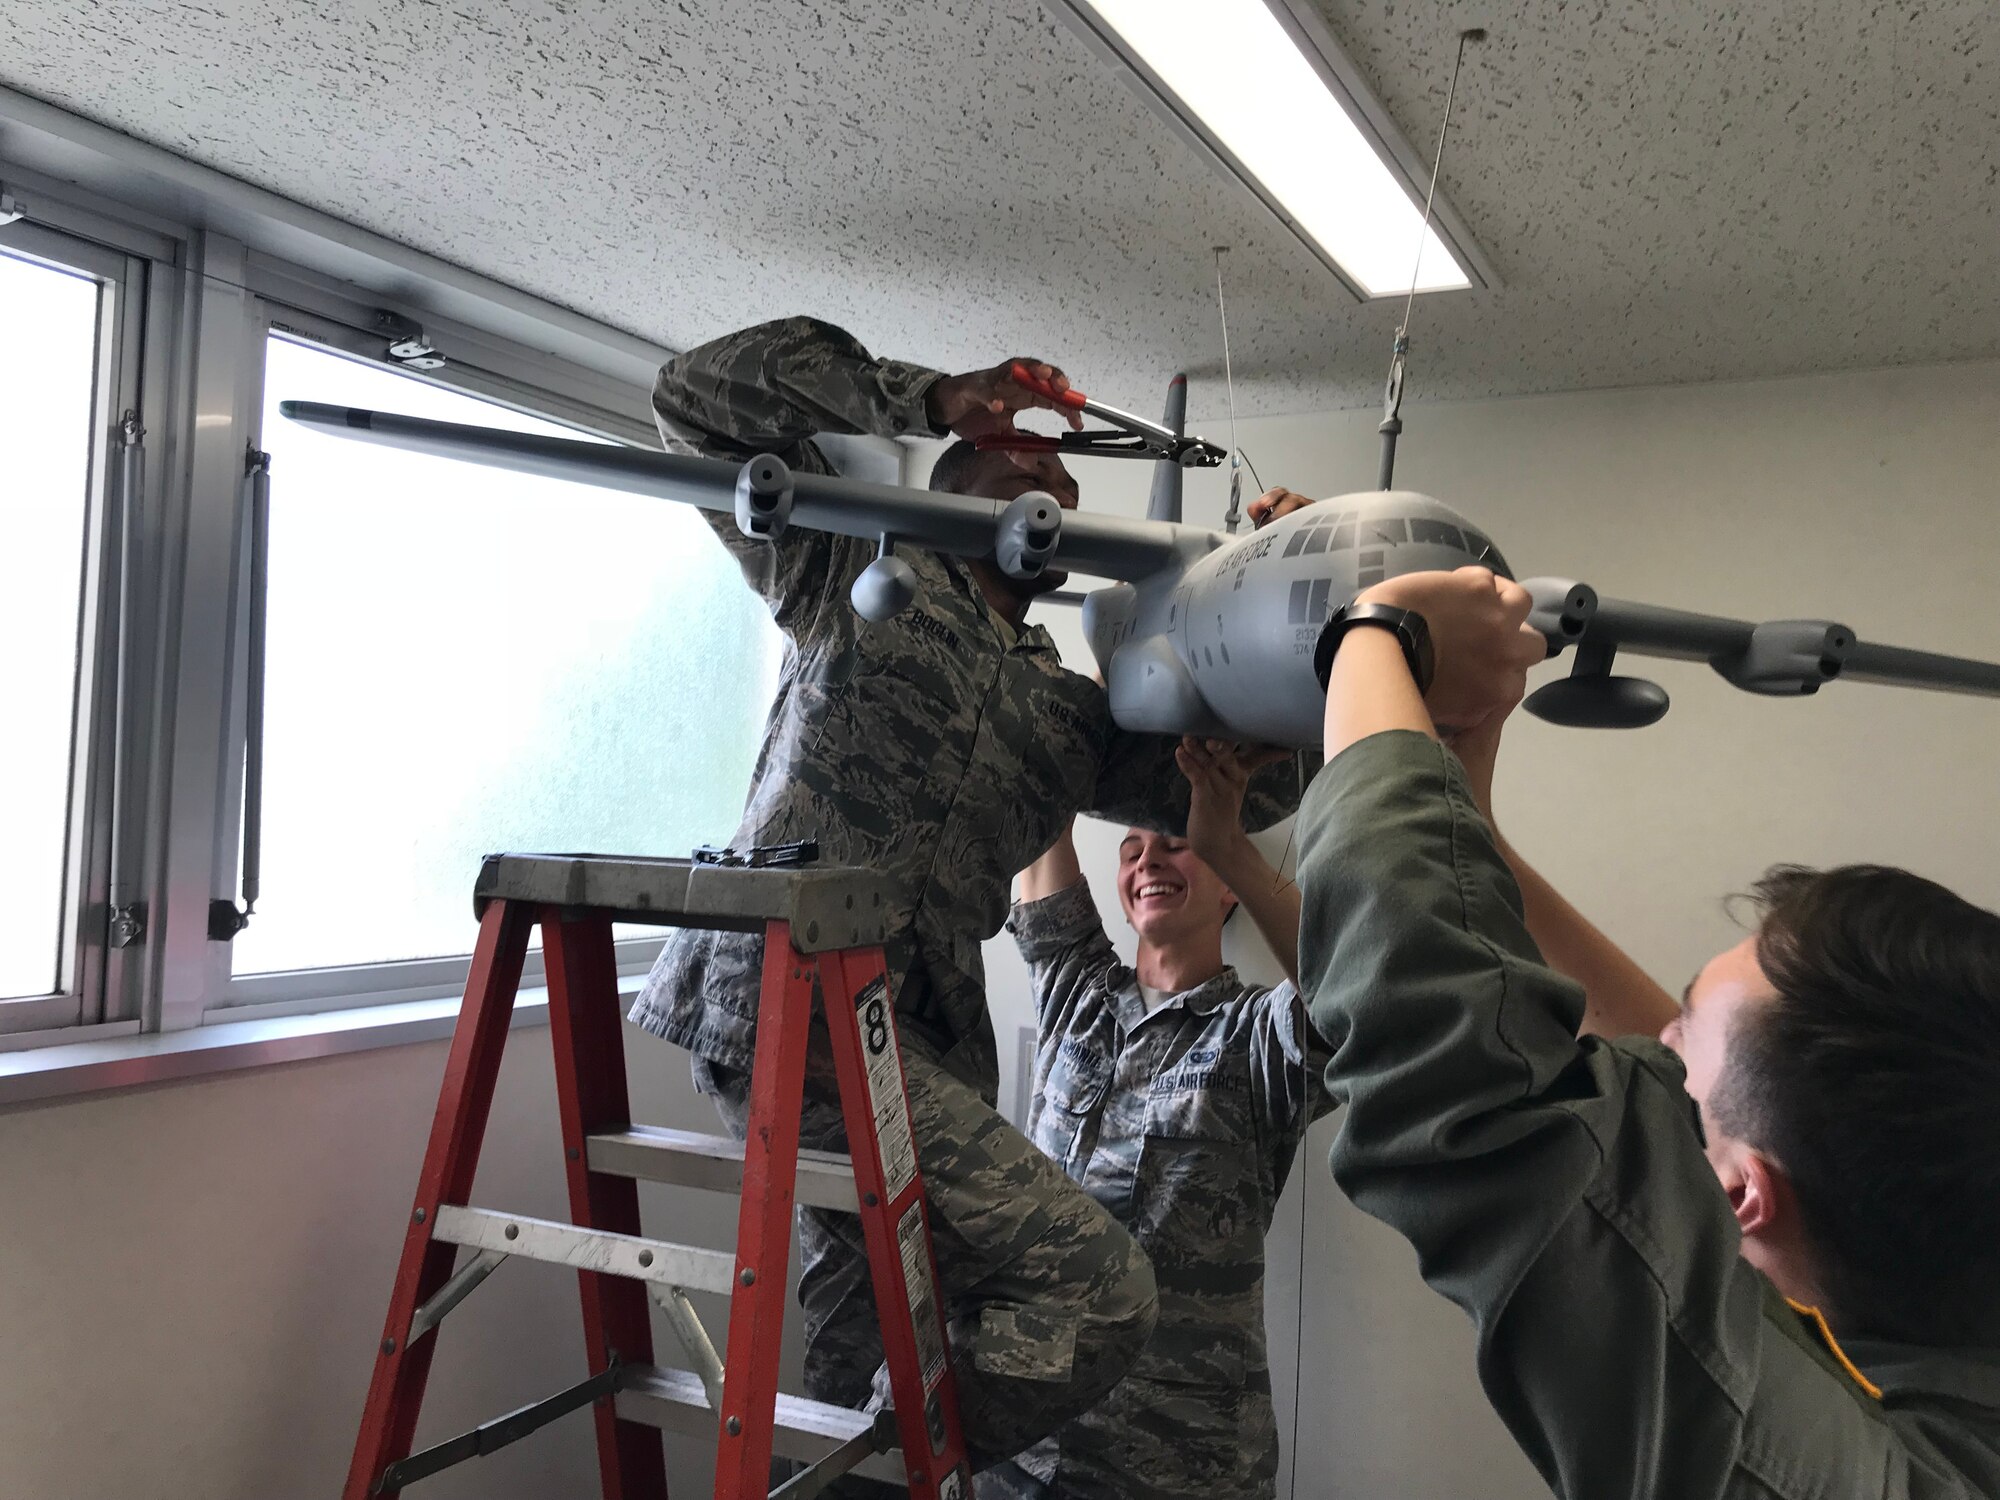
128,924
407,345
11,207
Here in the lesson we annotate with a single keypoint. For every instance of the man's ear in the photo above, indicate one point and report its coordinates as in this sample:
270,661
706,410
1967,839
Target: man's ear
1759,1194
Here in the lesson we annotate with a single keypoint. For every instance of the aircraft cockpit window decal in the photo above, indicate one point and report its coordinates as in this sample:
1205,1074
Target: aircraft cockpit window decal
1423,529
1387,529
1310,601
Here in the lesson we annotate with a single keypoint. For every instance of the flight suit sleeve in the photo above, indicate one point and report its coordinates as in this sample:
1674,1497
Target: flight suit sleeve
1554,1188
768,389
1139,783
1062,940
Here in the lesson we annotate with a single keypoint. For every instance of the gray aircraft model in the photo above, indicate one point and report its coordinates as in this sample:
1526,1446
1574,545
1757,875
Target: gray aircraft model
1202,632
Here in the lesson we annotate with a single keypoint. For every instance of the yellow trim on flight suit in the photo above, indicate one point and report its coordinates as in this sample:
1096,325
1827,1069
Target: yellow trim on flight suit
1819,1321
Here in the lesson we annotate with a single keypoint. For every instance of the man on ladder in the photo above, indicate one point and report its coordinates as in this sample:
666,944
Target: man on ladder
944,748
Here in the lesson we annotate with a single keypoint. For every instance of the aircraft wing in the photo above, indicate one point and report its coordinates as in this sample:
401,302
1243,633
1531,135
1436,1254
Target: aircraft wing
1777,658
1026,536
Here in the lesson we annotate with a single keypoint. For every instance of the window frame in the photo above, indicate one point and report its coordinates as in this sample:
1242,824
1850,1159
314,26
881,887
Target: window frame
187,312
393,981
199,254
287,302
92,984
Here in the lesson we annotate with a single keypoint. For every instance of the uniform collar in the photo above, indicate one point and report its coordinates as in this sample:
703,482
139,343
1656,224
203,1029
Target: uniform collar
1026,637
1915,1369
1035,638
1203,1000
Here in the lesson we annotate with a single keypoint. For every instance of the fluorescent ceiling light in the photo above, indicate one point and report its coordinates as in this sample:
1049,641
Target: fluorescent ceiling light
1237,77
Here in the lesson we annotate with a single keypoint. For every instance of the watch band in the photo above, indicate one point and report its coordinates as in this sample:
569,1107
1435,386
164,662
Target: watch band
1411,630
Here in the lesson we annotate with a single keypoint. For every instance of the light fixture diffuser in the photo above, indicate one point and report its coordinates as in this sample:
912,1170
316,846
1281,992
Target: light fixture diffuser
1301,137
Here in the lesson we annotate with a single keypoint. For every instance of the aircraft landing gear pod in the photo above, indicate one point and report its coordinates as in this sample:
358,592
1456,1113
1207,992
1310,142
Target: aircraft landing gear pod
886,586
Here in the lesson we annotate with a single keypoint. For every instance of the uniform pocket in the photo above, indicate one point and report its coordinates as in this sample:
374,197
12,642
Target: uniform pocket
1198,1195
1025,1343
1197,1202
1204,1097
1165,1438
1072,1094
1077,1079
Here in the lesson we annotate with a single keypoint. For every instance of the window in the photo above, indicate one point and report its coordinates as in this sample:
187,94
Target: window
47,405
456,661
461,661
67,372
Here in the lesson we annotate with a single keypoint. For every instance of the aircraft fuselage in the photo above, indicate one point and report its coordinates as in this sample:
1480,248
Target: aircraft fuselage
1225,646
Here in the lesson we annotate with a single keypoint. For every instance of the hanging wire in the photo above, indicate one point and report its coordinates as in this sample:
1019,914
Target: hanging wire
1255,478
1392,394
1233,517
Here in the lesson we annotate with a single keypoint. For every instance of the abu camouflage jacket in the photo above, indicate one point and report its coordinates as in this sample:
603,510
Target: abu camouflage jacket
1183,1123
939,748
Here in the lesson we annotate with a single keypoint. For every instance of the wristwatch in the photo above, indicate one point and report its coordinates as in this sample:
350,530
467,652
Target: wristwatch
1410,628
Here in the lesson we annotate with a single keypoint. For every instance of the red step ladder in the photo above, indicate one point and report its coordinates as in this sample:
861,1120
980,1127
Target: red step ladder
823,931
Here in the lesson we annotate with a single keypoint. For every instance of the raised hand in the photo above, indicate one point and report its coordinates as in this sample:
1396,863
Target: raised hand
1480,633
1218,773
981,402
1274,503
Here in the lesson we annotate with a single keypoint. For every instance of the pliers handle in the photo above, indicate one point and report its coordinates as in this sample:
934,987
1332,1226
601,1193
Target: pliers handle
1135,438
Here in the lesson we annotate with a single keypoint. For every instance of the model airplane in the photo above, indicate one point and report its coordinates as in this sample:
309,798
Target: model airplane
1202,632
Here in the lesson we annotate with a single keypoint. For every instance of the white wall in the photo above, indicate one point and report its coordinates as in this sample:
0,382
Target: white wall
192,1278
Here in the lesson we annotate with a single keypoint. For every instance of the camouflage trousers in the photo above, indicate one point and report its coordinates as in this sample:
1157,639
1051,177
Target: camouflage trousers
1151,1439
1048,1299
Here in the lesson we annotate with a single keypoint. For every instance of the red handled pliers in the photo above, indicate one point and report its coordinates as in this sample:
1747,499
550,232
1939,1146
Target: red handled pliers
1135,438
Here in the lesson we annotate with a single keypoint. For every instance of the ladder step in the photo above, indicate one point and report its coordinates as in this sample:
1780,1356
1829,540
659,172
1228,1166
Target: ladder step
688,1266
715,1162
826,906
806,1431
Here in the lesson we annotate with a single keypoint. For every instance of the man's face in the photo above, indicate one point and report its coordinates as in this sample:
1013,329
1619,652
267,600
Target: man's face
1728,986
1004,476
1168,893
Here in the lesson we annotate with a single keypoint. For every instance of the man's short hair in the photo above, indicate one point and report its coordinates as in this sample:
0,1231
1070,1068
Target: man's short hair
955,468
1873,1080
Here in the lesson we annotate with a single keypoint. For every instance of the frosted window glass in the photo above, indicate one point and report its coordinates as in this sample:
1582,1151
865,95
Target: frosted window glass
47,369
462,661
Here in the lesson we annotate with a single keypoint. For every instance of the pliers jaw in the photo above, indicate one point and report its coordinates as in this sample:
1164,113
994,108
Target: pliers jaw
1132,437
1188,452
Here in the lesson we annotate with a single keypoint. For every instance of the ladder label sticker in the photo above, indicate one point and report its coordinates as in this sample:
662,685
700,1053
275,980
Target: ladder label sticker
894,1145
924,1322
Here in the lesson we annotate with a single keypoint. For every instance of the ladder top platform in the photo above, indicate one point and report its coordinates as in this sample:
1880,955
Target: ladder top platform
829,907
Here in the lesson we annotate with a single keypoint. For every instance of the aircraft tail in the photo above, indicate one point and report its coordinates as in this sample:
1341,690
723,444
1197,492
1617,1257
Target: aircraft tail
1165,502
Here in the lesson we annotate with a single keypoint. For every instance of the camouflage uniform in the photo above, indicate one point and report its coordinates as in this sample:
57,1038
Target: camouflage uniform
1183,1122
944,750
1556,1189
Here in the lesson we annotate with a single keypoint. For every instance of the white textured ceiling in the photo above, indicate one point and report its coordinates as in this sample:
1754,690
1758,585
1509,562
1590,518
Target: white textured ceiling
1671,192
